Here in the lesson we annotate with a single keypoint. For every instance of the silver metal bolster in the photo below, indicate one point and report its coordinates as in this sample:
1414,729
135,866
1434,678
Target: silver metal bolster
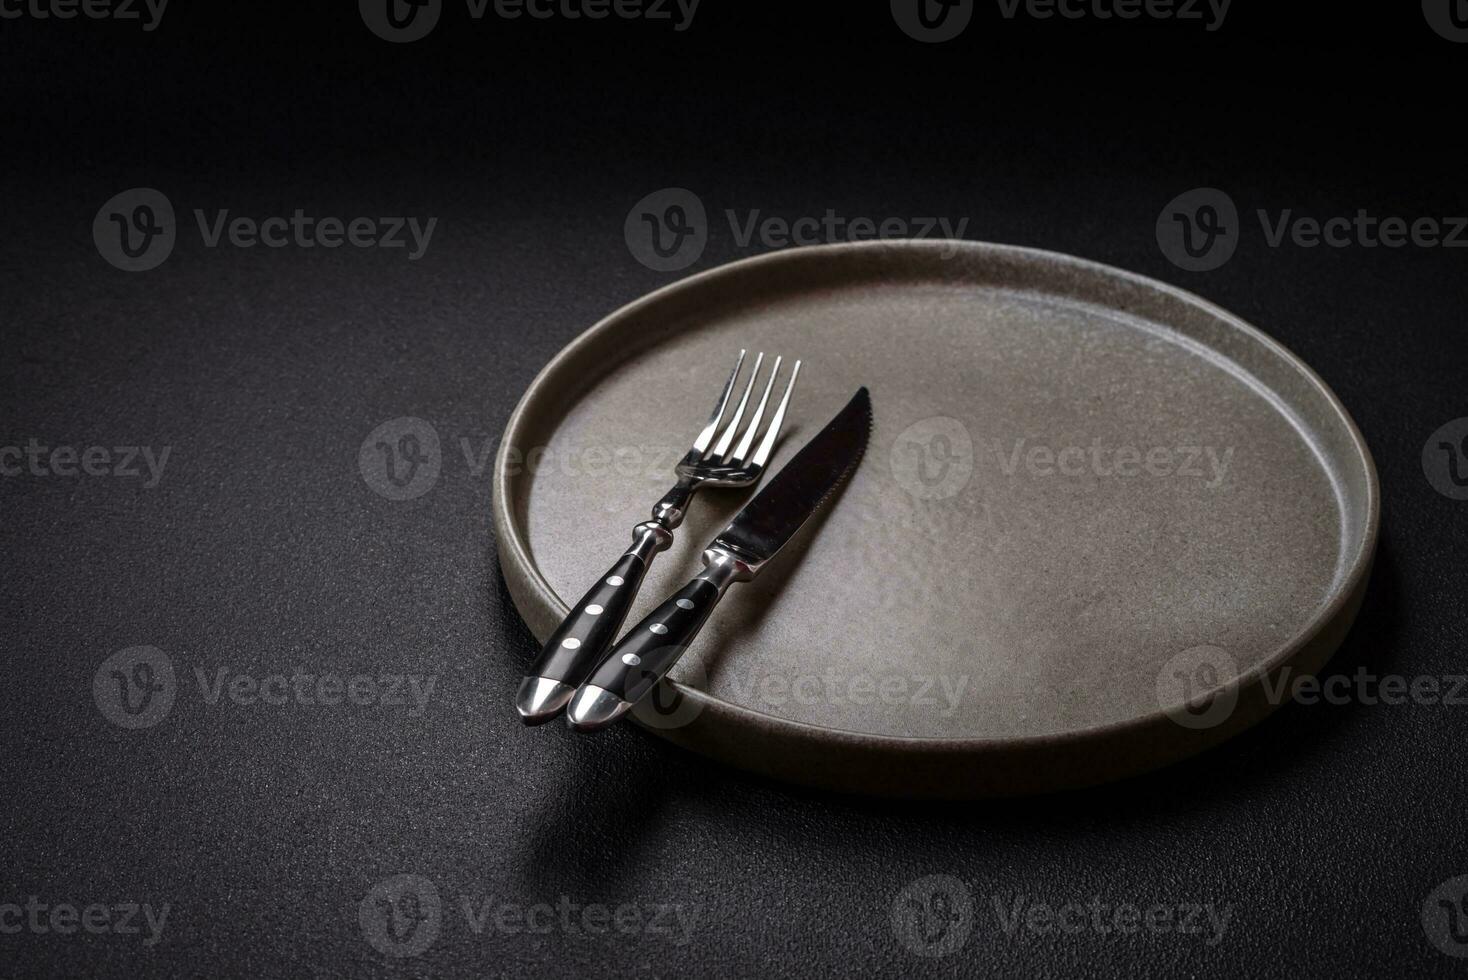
541,699
670,511
594,708
648,538
723,568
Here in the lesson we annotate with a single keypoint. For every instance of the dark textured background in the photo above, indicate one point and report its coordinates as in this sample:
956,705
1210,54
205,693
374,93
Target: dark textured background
263,550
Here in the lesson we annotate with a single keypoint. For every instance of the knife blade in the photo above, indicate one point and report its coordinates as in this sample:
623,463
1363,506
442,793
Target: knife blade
771,519
641,659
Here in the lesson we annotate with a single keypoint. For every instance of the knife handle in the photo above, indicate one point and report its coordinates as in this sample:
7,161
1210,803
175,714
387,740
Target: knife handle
584,635
651,648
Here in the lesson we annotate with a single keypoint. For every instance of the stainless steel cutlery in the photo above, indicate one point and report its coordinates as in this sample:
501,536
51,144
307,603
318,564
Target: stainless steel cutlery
737,554
714,460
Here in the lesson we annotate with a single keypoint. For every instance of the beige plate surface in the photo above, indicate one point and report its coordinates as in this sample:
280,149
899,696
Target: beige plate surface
1095,512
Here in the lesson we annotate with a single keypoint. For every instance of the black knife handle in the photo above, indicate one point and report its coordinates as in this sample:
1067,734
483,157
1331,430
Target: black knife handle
653,646
584,635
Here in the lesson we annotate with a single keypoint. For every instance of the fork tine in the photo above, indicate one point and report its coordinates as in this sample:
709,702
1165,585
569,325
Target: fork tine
707,435
762,455
743,448
728,437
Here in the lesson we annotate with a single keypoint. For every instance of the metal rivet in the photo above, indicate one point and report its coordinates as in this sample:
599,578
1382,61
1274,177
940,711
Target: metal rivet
570,643
631,659
615,580
658,628
685,604
594,610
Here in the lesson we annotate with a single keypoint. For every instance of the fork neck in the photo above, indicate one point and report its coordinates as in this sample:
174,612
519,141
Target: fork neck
670,511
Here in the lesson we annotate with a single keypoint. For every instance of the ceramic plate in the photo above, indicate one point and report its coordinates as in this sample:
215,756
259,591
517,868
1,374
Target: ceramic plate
1098,522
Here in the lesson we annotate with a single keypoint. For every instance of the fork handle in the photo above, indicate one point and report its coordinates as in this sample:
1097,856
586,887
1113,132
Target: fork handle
585,634
650,649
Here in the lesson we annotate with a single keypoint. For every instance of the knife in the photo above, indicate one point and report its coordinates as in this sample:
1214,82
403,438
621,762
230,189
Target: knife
737,554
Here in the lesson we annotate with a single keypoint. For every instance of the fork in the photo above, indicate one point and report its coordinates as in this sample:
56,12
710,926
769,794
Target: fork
587,633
